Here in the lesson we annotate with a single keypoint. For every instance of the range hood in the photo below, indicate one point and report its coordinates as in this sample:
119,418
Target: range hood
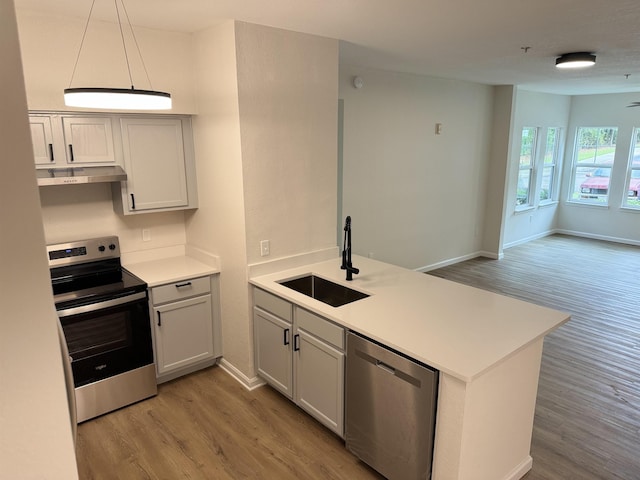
71,176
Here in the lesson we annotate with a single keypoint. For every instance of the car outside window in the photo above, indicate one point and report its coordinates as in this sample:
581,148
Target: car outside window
592,163
632,199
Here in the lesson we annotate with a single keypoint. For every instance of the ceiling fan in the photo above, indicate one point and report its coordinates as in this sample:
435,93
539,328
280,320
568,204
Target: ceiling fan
634,104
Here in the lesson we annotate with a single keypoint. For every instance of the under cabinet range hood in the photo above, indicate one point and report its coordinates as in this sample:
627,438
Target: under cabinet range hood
75,175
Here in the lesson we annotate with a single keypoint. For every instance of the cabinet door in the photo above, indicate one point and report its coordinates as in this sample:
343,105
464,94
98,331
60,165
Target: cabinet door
274,362
88,140
184,333
320,380
155,163
42,139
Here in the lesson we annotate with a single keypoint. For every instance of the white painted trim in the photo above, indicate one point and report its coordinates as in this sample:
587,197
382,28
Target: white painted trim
451,261
528,239
520,471
246,382
606,238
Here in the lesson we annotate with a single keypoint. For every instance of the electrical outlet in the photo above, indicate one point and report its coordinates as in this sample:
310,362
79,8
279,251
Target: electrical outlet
146,235
264,248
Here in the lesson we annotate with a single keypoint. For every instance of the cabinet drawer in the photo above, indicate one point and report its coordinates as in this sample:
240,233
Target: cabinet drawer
273,304
178,290
321,328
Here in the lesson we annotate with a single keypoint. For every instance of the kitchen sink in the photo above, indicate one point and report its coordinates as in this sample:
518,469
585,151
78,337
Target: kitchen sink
324,290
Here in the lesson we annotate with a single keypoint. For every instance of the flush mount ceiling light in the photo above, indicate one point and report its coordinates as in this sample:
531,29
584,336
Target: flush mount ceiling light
576,60
116,98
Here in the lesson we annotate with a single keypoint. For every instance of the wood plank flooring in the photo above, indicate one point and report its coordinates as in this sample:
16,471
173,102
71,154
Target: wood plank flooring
587,424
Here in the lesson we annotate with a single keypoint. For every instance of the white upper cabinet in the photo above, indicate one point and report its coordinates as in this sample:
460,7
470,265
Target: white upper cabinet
42,139
158,159
88,140
70,140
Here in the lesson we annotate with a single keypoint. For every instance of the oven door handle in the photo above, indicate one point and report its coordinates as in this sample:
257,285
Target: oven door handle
101,305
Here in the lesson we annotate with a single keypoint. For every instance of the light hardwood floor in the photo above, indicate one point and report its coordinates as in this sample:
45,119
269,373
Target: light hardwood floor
587,424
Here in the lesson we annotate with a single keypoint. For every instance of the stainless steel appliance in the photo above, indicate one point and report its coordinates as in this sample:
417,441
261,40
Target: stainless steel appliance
104,313
390,410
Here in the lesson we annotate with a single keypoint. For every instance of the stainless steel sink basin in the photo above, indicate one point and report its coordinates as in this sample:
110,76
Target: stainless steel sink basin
324,290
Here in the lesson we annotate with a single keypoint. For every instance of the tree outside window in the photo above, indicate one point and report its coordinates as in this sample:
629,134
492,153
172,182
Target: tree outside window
550,162
524,196
592,164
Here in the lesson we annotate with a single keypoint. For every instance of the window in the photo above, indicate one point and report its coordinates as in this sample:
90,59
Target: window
551,160
525,171
592,163
631,199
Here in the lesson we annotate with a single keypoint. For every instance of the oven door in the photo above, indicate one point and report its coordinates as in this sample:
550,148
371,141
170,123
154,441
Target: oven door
107,338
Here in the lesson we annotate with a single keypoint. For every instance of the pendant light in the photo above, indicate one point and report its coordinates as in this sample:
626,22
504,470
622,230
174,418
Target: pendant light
116,98
576,60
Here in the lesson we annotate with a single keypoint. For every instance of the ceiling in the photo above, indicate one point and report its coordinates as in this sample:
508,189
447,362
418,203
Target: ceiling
478,41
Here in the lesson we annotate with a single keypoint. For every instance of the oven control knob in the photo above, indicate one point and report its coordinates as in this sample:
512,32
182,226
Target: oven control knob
112,247
101,248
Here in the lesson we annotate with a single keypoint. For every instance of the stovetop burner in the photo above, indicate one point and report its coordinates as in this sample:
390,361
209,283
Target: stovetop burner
89,271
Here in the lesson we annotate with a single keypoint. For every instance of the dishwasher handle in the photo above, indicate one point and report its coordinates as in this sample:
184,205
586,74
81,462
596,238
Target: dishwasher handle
397,372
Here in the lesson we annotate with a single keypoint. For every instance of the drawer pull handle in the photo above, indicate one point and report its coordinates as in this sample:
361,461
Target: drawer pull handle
296,343
72,158
181,285
51,158
159,320
286,336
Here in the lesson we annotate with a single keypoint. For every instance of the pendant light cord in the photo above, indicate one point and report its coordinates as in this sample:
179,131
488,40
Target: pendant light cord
84,34
135,41
124,45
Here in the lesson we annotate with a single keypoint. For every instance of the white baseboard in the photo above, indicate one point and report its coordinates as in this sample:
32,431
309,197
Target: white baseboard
607,238
246,382
528,239
451,261
521,470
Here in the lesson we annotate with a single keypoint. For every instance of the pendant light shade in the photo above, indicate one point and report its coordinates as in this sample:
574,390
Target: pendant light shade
116,98
576,60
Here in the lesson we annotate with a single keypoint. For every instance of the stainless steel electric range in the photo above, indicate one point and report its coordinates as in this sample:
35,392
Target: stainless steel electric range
104,313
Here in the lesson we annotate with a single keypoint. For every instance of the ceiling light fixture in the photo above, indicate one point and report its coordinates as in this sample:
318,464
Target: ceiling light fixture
576,60
116,98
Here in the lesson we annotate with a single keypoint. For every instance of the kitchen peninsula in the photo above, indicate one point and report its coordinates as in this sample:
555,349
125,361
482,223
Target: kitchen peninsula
487,348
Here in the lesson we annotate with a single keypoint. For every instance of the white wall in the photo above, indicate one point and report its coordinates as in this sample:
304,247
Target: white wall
416,198
532,109
288,93
613,222
266,158
218,226
50,46
35,427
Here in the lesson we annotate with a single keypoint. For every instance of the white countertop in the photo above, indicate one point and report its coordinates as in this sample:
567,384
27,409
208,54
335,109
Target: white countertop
169,270
460,330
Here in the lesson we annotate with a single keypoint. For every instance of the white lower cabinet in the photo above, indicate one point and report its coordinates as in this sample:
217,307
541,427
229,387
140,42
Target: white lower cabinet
301,355
184,327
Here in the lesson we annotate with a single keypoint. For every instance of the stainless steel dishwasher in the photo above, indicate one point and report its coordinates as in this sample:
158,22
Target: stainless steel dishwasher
390,410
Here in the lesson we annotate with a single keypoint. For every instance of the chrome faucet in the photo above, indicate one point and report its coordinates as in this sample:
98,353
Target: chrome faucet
346,251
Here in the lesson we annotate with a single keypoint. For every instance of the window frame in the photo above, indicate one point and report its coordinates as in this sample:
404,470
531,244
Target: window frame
575,165
554,165
531,167
635,145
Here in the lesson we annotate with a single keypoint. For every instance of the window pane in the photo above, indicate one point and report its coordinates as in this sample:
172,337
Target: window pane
524,180
595,151
552,145
546,192
527,146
